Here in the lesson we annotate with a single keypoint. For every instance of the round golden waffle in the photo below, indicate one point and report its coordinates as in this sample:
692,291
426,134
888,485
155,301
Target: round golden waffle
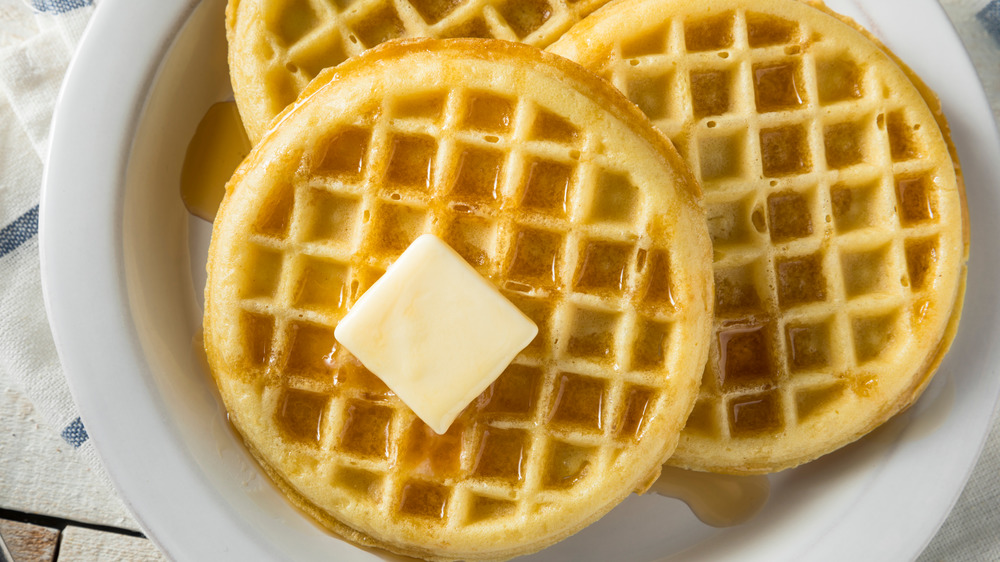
554,188
836,214
277,46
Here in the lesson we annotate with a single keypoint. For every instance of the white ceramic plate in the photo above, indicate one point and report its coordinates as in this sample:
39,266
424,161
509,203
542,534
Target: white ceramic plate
122,266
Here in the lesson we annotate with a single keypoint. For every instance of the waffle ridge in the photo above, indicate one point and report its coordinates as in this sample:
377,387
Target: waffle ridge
835,210
278,46
512,185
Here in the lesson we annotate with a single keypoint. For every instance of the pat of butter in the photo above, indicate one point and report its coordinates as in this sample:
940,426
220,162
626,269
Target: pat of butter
435,331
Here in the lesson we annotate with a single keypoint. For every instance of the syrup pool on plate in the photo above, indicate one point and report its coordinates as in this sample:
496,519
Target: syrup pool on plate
719,500
219,145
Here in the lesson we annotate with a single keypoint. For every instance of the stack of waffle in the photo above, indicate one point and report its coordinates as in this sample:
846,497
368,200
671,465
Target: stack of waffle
812,162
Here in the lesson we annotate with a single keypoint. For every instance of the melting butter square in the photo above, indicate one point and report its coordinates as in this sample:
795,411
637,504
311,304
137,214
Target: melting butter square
435,331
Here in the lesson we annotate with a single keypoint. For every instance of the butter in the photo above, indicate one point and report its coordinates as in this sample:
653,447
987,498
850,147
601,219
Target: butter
435,331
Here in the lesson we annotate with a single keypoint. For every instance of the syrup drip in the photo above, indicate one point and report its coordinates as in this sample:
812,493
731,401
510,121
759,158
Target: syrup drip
218,146
718,500
198,349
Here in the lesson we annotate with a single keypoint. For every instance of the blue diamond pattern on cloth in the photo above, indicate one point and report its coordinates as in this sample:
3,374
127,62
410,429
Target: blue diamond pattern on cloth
990,18
75,434
59,6
19,231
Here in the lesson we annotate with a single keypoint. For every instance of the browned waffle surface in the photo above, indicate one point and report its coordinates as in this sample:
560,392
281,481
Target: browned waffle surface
834,209
554,188
278,46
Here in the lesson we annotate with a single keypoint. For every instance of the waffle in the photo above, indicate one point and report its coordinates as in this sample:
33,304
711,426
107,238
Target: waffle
836,211
277,46
553,187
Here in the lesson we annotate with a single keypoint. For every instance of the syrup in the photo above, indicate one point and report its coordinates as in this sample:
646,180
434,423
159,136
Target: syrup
718,500
744,355
411,161
218,146
426,453
501,454
489,113
634,416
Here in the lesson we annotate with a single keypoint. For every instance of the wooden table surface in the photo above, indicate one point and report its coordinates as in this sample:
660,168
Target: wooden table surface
52,504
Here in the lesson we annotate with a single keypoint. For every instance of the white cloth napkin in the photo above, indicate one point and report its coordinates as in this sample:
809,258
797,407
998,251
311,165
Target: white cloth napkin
37,39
